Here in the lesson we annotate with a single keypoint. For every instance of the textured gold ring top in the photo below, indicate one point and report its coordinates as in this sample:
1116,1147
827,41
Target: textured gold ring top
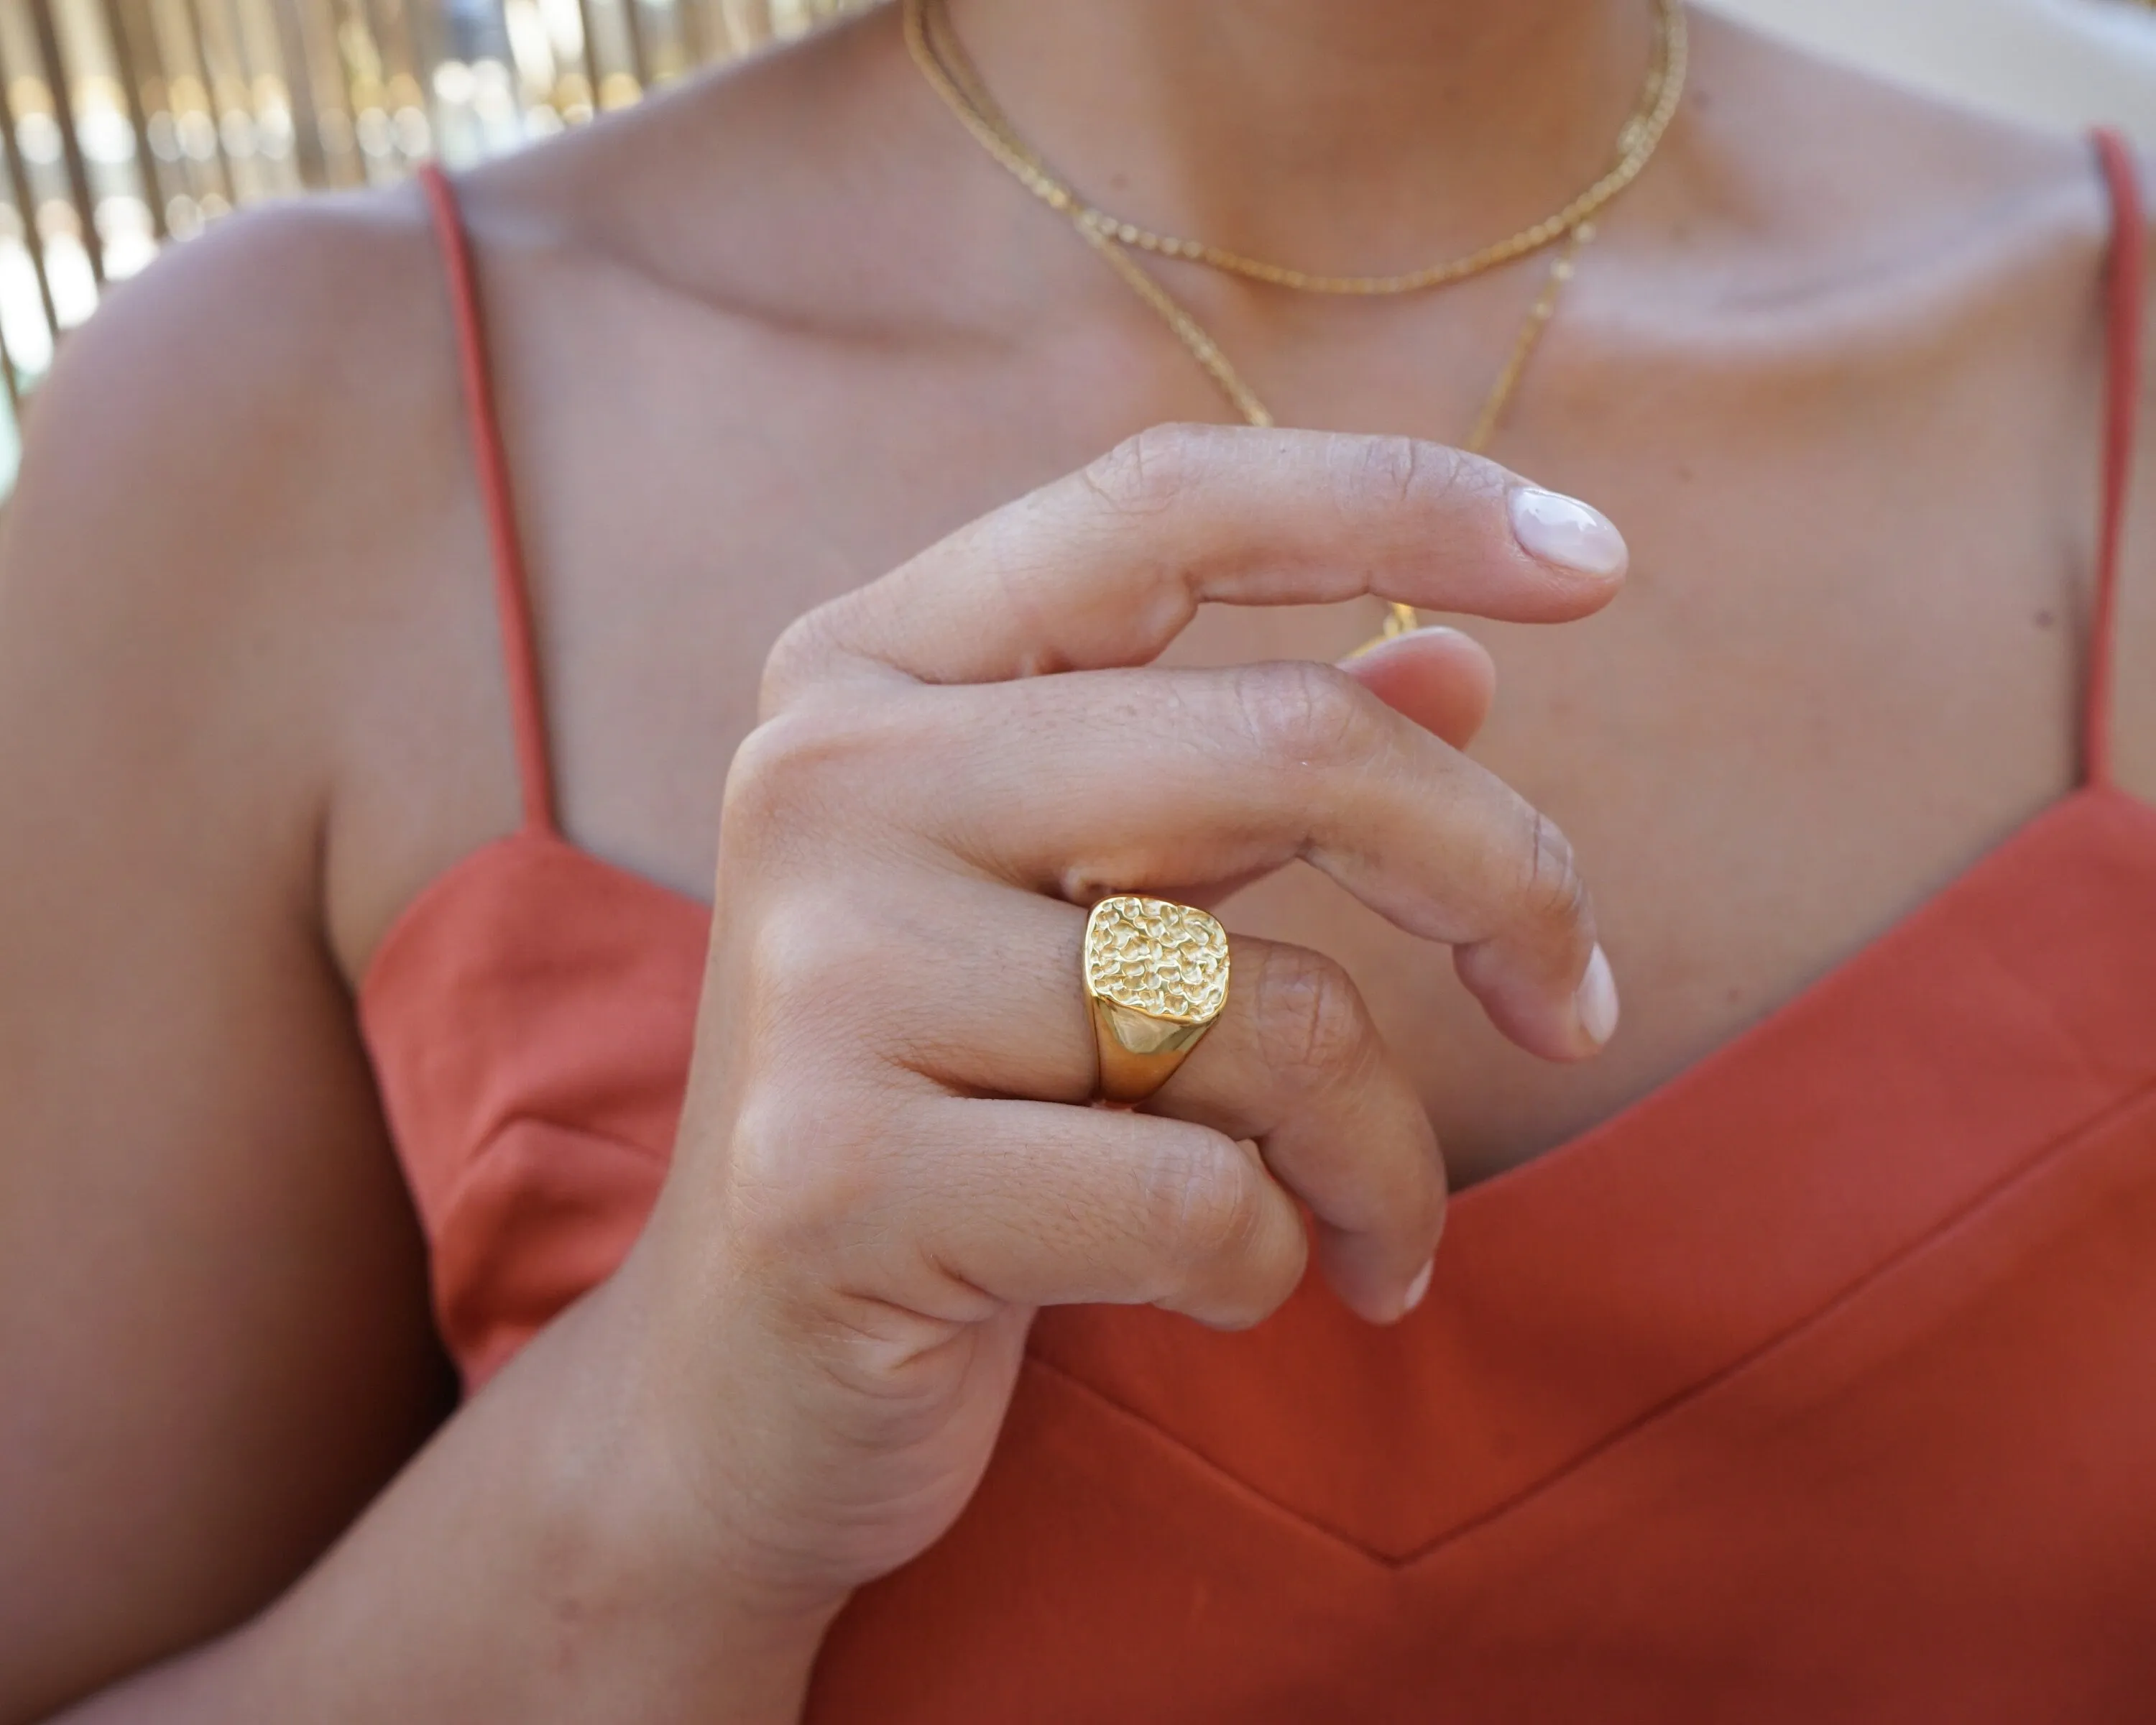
1156,978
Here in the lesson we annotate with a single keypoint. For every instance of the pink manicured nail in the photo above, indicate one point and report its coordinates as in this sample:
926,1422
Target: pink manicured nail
1596,1001
1418,1287
1575,536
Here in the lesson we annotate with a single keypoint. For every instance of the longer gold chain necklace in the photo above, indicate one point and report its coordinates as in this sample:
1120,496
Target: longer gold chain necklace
951,73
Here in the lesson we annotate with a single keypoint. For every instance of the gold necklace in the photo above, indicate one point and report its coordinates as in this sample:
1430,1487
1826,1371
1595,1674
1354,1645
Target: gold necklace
943,62
943,58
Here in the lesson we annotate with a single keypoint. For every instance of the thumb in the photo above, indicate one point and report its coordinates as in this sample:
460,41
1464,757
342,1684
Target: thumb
1441,679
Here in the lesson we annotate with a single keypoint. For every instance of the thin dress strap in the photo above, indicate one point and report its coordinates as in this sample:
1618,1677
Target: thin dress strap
512,592
2122,395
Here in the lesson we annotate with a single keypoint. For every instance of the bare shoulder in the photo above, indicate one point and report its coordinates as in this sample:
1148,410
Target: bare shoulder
791,190
1936,252
1842,180
224,441
1860,246
239,358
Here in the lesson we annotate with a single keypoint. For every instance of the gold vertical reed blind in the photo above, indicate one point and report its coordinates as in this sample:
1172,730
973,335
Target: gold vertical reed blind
127,124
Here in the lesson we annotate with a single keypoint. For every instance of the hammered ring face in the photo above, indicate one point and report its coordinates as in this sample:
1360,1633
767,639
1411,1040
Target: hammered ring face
1156,975
1166,960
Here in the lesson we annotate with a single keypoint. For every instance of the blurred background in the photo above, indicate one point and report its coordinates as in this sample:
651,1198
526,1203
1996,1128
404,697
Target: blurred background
130,125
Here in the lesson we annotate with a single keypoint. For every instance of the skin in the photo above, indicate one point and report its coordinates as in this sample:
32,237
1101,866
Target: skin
1833,366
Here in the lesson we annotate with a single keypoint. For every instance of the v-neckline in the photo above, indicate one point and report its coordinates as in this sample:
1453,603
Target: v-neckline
1591,1291
445,889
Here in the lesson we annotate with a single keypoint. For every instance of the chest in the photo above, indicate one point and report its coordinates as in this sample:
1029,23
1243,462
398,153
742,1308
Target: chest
1846,663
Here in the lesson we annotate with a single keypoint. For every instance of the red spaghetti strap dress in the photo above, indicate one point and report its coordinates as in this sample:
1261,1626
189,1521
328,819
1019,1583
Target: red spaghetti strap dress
1820,1385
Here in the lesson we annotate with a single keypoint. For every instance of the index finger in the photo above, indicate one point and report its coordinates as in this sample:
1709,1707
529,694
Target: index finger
1106,565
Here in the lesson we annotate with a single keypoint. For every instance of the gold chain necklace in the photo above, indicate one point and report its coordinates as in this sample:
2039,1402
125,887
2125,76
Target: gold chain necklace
943,62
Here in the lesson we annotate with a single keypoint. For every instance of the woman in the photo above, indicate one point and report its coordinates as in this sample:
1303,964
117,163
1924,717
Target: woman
822,1354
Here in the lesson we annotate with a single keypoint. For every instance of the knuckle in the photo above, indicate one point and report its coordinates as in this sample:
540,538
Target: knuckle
1374,473
1550,890
807,1183
1309,1021
1420,1199
1437,1204
805,958
1267,1271
769,773
1299,711
797,658
813,757
1146,473
796,1168
1205,1199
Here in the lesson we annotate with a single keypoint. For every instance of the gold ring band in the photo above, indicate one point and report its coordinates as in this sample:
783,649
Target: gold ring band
1155,977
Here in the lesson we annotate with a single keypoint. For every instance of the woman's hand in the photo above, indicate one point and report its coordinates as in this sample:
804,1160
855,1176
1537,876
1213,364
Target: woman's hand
886,1163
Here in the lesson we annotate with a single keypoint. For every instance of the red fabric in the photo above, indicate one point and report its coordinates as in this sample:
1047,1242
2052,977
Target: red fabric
530,1018
1819,1384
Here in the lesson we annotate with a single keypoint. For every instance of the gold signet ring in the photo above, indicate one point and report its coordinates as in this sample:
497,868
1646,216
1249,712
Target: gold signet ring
1156,978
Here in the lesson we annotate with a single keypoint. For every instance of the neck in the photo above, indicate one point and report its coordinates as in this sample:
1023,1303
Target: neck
1339,135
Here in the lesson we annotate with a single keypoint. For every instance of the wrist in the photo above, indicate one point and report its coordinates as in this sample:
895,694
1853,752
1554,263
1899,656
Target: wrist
633,1570
655,1526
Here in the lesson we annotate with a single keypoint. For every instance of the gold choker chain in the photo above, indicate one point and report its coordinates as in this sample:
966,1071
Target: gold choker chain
943,61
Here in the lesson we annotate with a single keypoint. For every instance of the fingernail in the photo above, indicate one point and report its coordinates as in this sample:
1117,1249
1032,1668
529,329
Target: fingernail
1384,644
1562,531
1417,1288
1596,1000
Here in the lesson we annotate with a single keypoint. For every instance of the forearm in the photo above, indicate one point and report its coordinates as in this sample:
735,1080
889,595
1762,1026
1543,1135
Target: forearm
521,1568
